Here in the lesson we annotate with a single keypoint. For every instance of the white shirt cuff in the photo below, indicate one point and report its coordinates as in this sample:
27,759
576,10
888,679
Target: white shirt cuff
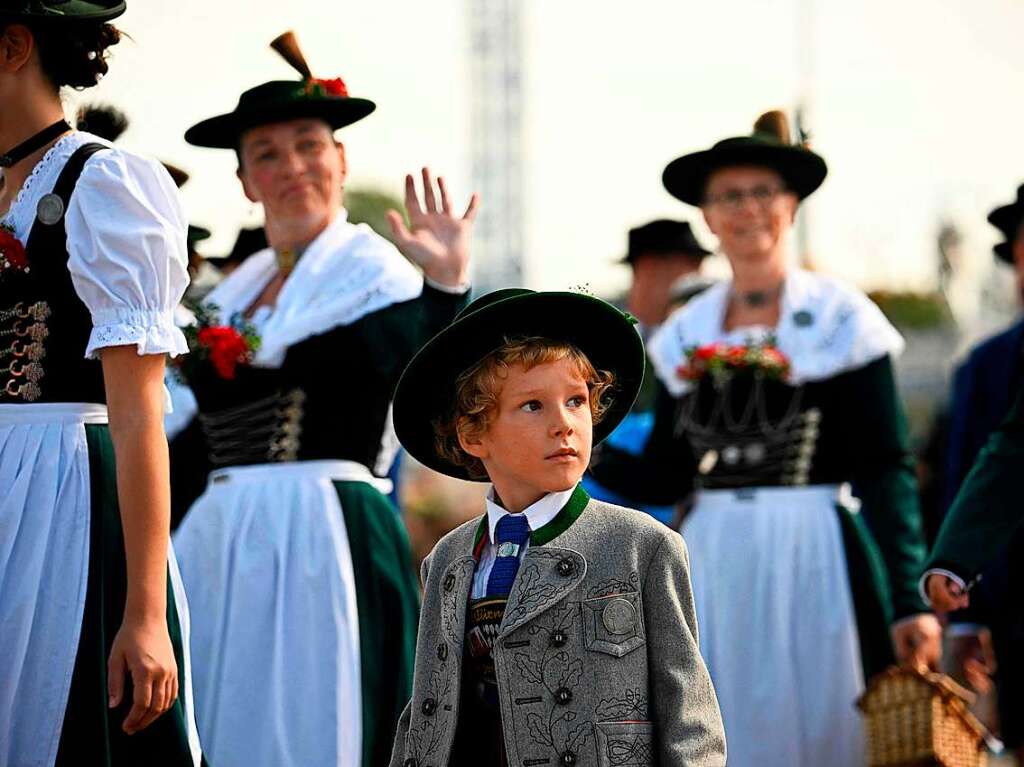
455,290
921,585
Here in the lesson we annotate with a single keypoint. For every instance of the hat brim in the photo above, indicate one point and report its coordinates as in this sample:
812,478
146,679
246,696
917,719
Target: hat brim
599,330
225,131
686,177
72,11
1007,219
696,253
1004,252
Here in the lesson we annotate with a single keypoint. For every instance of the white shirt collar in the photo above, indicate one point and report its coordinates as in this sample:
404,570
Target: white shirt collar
537,514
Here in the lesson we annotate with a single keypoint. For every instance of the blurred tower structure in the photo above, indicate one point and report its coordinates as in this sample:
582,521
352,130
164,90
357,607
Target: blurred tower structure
806,20
497,140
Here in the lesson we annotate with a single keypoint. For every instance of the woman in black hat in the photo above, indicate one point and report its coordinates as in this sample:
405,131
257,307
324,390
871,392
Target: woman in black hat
93,630
777,399
303,597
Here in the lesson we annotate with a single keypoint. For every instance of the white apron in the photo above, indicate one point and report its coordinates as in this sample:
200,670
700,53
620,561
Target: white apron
44,567
265,558
777,625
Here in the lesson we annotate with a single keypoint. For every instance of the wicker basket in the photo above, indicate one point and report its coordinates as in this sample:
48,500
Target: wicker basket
918,719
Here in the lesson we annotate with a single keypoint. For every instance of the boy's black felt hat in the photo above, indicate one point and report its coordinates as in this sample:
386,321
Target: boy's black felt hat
426,391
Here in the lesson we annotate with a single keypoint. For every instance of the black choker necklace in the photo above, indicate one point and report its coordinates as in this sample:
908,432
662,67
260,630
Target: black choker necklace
757,298
27,147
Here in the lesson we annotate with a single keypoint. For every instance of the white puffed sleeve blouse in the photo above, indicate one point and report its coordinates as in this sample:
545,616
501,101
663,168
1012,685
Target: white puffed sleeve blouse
126,243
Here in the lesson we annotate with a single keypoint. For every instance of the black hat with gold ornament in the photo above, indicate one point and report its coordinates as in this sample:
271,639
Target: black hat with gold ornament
282,100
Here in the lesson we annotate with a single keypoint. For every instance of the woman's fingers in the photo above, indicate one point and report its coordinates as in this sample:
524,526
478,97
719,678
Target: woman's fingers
474,204
115,679
398,227
412,202
155,693
429,201
143,698
446,206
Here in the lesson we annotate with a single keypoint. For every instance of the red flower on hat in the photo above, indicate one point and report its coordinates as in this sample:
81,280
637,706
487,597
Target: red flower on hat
12,252
334,87
227,348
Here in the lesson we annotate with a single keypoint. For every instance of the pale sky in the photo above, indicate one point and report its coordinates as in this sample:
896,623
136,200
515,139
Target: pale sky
916,105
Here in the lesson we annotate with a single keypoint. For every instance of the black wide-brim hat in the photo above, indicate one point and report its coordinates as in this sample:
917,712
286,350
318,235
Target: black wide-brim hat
426,391
663,237
278,101
802,170
1008,219
63,10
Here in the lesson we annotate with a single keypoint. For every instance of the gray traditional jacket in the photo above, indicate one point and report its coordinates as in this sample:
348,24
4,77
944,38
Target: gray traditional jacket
596,659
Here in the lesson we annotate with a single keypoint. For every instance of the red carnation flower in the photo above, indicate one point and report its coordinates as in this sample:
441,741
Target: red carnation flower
227,348
708,352
333,87
12,251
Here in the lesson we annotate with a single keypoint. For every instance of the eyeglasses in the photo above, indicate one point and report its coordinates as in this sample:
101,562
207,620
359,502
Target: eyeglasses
732,199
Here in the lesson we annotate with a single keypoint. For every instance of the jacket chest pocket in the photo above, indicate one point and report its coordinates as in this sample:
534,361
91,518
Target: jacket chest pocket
614,624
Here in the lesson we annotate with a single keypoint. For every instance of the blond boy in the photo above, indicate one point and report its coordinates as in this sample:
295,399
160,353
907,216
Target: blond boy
556,630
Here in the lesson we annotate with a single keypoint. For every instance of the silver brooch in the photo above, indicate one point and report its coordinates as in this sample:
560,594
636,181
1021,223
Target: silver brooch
50,209
508,549
803,318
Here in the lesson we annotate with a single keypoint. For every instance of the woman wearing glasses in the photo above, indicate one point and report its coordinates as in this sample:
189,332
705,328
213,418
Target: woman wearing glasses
778,411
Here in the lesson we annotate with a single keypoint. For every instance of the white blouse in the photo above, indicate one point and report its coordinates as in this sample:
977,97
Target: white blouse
346,273
126,243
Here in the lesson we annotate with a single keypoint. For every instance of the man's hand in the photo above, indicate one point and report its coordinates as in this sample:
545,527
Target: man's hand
945,594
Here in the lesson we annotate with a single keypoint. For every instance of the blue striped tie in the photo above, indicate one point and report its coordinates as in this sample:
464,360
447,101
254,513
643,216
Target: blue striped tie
511,533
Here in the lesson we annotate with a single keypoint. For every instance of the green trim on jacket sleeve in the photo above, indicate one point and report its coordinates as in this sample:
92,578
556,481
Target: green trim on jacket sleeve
987,510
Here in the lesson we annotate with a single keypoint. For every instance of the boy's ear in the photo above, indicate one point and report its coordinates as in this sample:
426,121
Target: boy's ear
473,445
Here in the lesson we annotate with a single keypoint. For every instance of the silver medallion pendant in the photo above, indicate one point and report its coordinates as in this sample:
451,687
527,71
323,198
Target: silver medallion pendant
50,209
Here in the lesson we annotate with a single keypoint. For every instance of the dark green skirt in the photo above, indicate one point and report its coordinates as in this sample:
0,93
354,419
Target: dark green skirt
387,594
92,732
869,586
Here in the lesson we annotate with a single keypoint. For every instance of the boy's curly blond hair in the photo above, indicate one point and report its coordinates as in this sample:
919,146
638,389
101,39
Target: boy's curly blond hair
478,389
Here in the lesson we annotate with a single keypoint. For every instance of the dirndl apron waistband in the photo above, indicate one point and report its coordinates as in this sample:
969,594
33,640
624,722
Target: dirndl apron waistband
53,412
334,470
778,497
